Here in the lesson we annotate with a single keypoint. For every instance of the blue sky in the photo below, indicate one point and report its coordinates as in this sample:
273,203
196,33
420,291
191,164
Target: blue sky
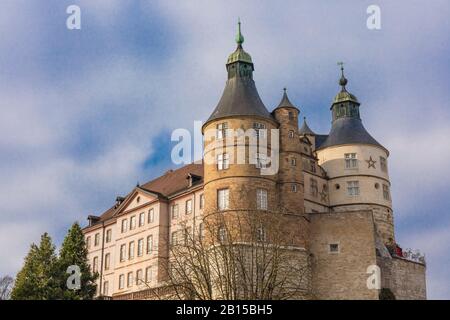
86,114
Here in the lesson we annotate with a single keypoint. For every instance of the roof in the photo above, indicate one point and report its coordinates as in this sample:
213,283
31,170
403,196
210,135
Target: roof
305,129
240,98
285,102
344,95
172,182
348,131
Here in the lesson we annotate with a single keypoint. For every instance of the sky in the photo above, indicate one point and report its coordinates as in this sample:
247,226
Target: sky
86,114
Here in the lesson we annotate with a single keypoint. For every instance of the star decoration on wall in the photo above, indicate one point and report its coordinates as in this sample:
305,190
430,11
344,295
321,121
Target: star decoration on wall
371,162
323,196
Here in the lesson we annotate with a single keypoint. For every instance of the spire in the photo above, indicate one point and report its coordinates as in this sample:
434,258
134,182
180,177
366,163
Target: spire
285,102
342,81
239,36
304,130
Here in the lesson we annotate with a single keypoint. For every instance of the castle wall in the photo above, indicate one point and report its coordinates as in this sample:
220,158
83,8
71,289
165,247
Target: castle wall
342,274
405,278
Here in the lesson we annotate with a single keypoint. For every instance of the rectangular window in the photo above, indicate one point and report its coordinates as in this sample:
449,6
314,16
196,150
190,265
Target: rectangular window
105,288
351,162
188,206
141,219
132,222
202,201
386,193
121,281
314,187
175,238
260,129
221,131
261,161
151,215
223,161
108,235
139,279
124,225
187,234
261,234
148,274
140,249
222,234
312,165
122,252
130,279
88,242
200,231
261,199
334,248
174,211
107,261
383,164
131,250
95,265
294,187
353,188
293,162
149,244
291,134
97,239
222,199
291,115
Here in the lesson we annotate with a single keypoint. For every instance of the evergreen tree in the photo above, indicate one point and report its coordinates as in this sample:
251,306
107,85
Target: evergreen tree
74,252
38,278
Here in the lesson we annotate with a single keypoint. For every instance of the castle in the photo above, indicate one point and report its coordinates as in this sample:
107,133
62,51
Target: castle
334,190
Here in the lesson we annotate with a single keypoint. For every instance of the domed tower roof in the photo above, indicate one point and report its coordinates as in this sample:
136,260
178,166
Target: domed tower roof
240,96
347,127
304,130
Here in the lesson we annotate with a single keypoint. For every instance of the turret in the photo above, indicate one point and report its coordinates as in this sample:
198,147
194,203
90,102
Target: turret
356,164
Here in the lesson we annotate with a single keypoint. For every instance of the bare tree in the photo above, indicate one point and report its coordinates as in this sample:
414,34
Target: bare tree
235,255
6,284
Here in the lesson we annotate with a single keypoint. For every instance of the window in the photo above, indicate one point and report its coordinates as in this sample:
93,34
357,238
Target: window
107,261
386,193
350,161
108,235
294,188
223,161
124,225
187,235
222,199
189,206
353,188
140,249
121,281
293,162
151,215
261,161
260,129
291,115
291,134
261,234
202,201
88,242
314,187
105,288
261,199
132,222
334,248
149,244
175,237
130,279
139,279
312,165
383,164
200,231
97,239
148,274
122,252
221,131
95,265
141,219
221,234
174,210
131,250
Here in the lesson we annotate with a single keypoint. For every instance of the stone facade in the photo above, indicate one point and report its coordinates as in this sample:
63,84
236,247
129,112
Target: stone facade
329,198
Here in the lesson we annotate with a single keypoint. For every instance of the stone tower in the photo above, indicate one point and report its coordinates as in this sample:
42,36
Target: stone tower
356,164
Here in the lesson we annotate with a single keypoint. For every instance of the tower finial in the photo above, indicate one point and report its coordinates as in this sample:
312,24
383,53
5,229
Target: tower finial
239,36
342,81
